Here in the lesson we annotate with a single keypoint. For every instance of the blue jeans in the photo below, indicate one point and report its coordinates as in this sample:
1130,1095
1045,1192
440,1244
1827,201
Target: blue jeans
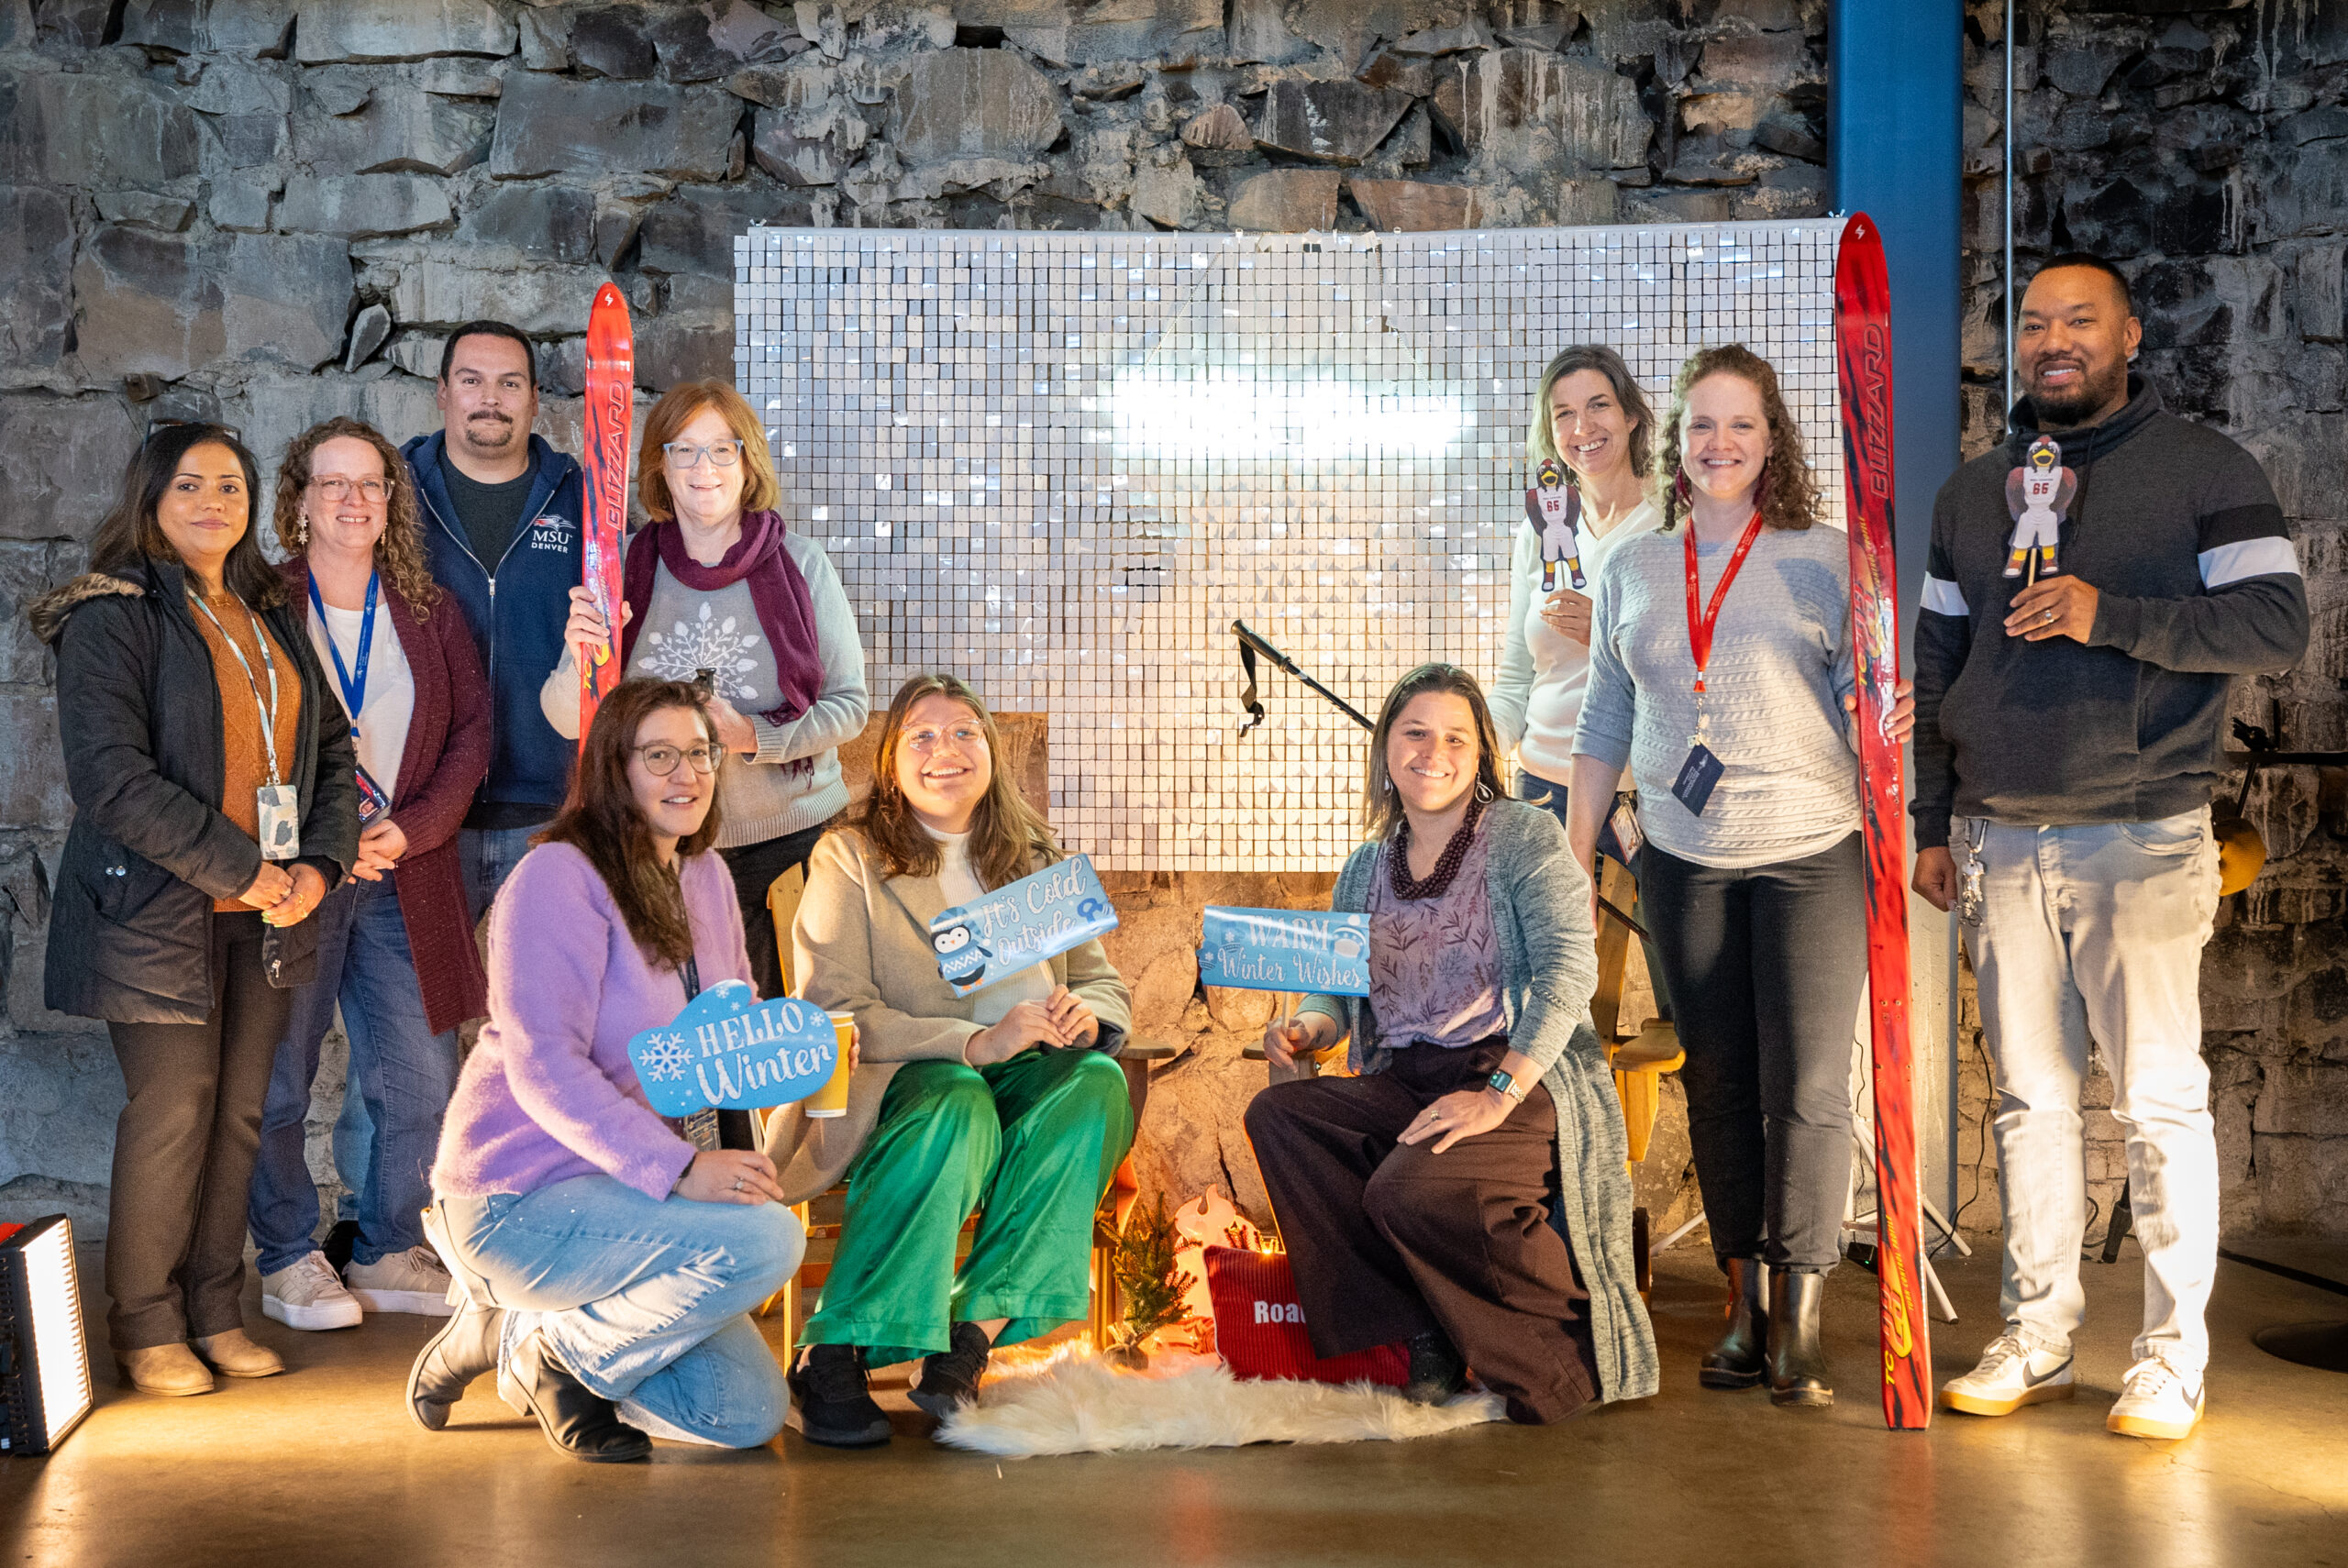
646,1301
488,857
405,1073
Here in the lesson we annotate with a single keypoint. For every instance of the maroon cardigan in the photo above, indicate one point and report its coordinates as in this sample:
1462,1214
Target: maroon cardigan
445,757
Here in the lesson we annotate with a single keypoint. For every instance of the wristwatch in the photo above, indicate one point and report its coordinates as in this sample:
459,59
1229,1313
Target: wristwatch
1506,1084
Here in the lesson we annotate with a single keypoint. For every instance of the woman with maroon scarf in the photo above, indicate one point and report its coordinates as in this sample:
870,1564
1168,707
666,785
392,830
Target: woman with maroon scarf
718,583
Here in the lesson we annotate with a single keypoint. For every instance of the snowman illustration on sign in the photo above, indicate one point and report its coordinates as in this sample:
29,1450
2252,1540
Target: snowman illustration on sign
961,956
2039,495
1554,507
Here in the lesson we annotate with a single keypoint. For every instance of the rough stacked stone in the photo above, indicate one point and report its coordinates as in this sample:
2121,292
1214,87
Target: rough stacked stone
2206,150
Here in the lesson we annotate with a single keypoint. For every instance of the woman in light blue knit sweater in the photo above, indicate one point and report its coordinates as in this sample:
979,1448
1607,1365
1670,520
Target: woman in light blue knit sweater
1721,674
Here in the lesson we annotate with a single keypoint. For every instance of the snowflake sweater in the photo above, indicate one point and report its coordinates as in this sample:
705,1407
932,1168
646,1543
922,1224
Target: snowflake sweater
793,780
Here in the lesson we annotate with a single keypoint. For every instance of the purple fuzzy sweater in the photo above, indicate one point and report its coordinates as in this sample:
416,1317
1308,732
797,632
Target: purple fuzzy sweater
548,1092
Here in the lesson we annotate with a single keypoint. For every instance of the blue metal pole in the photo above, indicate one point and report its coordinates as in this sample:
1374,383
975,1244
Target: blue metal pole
1893,119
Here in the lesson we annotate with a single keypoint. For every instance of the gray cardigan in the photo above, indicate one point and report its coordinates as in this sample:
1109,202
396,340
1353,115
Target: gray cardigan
1540,900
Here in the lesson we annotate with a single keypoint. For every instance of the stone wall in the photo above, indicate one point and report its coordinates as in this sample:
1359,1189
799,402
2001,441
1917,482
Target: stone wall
2206,149
271,210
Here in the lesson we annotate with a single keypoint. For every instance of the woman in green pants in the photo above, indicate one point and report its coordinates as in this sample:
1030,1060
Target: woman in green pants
1008,1101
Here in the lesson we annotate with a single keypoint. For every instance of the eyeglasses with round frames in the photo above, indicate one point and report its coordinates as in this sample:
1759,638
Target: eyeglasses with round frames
660,760
336,490
686,455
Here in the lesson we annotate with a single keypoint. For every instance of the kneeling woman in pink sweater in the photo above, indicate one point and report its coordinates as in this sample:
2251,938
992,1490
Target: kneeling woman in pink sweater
609,1266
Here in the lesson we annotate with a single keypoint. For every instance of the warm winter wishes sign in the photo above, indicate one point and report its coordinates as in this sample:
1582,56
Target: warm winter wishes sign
1286,950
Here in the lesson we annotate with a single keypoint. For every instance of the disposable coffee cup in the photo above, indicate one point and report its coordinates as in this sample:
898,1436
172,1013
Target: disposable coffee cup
832,1098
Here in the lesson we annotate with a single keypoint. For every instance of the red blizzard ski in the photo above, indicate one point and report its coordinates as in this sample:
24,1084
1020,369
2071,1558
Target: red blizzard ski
1862,356
611,407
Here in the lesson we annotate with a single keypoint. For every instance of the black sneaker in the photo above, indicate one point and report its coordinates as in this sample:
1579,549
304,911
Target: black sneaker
1438,1371
835,1409
949,1378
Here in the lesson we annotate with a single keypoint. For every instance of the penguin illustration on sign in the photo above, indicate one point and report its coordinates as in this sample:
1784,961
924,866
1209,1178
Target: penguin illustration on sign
961,956
2039,495
1554,508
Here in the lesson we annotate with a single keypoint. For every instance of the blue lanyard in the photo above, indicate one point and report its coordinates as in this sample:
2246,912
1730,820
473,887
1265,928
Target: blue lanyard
354,689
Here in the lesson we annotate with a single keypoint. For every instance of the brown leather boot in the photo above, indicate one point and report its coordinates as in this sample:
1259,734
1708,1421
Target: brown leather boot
232,1354
163,1369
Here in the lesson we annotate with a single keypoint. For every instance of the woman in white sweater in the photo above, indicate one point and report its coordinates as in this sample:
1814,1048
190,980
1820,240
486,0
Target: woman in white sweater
1590,416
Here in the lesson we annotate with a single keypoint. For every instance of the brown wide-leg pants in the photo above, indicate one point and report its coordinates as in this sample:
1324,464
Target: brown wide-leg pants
1390,1239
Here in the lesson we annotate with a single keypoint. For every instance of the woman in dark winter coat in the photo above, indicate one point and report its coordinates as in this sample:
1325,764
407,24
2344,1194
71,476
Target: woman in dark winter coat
216,804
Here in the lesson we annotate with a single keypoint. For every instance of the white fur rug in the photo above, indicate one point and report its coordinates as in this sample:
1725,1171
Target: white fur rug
1072,1402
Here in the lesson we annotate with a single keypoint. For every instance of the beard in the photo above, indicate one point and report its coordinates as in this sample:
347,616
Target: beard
2079,401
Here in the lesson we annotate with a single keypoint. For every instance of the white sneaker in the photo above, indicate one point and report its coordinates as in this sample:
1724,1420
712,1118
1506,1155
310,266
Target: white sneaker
305,1294
411,1281
2010,1375
2156,1401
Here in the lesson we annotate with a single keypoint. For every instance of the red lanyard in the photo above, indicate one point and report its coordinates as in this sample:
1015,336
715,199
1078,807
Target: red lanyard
1699,626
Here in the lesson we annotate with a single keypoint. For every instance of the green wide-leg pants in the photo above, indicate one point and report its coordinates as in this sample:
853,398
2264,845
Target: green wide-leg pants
1031,1144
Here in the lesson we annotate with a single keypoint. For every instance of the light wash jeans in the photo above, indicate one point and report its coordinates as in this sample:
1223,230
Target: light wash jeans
2096,931
645,1301
487,856
403,1073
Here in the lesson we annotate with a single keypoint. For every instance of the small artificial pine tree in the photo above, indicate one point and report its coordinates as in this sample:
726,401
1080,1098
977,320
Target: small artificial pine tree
1151,1283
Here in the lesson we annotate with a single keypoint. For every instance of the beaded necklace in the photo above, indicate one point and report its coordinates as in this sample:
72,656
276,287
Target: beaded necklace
1436,882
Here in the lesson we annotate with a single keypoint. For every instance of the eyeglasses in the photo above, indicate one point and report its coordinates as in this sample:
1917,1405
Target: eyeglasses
161,423
685,455
921,743
661,761
374,491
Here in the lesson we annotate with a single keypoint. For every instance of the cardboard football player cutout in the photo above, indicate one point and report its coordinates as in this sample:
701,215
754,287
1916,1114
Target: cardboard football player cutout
1554,508
2039,495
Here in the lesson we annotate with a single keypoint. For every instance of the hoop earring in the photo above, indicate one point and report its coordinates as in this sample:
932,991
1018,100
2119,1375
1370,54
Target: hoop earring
1484,793
1389,784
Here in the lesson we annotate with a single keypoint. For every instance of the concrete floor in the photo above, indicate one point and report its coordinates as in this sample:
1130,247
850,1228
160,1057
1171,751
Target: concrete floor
323,1467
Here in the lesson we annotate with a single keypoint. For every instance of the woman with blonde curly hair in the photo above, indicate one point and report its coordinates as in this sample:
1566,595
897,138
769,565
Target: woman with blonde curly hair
1720,673
395,949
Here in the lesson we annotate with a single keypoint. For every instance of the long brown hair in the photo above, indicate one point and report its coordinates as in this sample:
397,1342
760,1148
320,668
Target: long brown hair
600,819
1008,838
1382,807
131,529
1788,493
1541,438
399,554
760,489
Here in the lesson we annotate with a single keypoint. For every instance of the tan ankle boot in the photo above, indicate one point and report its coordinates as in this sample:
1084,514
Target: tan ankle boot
233,1355
163,1369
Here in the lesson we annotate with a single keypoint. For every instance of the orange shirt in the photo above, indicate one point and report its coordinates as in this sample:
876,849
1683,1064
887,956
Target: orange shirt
245,761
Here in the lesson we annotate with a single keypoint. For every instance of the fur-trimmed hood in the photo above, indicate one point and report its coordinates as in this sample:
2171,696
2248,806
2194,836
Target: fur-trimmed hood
49,613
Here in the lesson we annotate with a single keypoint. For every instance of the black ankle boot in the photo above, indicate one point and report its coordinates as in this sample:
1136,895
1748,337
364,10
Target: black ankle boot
1796,1355
465,1347
950,1379
1736,1361
835,1408
1437,1369
577,1421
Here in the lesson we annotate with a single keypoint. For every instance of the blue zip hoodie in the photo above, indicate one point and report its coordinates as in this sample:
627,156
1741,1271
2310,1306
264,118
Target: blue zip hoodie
515,607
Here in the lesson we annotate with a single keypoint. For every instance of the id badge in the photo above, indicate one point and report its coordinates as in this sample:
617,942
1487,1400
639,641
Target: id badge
1970,892
372,802
277,821
701,1129
1696,776
1623,821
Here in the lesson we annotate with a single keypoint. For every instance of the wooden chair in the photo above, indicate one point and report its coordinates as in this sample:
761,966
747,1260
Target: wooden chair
822,1218
1640,1061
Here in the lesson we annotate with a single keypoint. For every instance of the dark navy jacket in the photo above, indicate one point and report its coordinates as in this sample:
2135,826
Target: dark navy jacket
515,606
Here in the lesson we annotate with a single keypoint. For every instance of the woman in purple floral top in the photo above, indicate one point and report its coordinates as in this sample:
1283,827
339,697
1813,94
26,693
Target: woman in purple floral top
1416,1198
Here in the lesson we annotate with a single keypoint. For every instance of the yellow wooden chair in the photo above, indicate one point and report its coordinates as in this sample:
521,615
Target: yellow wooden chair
1639,1061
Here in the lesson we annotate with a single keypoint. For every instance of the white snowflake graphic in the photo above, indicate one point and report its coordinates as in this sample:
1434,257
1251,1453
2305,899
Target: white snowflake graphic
705,642
665,1056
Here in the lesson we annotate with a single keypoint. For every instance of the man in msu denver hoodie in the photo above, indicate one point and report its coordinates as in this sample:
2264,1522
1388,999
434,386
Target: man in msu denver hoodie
2068,702
503,524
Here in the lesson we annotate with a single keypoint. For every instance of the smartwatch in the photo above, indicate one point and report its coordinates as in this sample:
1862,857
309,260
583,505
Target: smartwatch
1506,1084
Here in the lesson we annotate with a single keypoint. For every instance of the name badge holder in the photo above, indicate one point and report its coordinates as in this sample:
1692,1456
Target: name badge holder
277,816
1702,770
373,802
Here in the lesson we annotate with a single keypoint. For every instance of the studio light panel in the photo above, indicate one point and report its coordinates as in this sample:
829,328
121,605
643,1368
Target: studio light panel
1061,465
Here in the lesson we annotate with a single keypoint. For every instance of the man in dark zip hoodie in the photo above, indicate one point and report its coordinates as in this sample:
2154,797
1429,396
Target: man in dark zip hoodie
2067,741
501,511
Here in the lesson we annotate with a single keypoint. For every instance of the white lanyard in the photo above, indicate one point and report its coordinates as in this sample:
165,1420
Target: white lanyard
267,710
